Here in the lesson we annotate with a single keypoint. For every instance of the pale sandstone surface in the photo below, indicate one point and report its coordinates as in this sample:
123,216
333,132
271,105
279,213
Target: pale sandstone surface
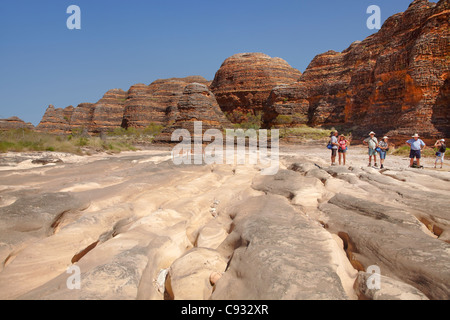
139,227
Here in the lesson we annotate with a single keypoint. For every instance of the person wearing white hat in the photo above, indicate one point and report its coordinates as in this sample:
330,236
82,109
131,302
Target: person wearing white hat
384,148
372,143
440,154
417,145
334,146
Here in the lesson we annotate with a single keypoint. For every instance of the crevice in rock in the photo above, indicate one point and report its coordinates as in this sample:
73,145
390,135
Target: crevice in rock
392,176
84,252
324,225
57,221
350,249
168,292
120,227
8,260
436,230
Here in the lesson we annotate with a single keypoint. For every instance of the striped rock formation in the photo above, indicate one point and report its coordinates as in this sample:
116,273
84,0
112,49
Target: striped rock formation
244,81
56,120
149,104
14,123
108,112
394,82
197,103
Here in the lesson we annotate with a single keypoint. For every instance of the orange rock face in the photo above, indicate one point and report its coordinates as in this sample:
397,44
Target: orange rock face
197,103
149,104
244,81
56,120
14,123
108,112
138,108
394,82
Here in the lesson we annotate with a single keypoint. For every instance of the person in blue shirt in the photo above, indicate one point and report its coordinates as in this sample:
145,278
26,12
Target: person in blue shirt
417,146
335,145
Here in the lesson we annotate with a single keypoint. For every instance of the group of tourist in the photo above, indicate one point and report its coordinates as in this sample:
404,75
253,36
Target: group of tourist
339,145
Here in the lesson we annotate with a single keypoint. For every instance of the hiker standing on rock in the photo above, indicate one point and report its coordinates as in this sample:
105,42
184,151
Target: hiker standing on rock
417,145
384,148
335,146
343,147
372,143
440,154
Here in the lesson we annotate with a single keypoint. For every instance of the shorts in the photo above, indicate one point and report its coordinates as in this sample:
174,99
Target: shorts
383,155
342,151
372,152
333,152
415,154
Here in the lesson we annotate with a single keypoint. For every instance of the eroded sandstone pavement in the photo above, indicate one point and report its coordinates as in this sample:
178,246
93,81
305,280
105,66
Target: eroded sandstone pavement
139,227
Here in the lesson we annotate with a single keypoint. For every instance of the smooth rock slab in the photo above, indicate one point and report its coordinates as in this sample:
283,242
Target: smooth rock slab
278,254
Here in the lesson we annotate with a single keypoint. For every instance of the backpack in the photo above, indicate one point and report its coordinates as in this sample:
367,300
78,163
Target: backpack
443,148
330,146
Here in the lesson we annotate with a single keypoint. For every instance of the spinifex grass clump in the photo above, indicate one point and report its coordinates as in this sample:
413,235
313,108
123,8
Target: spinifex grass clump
427,152
24,140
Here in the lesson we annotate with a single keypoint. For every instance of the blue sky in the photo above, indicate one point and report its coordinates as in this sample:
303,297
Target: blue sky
122,43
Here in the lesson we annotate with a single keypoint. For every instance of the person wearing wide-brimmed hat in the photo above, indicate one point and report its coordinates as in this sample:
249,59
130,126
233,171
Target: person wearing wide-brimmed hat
372,143
384,148
417,145
343,147
440,153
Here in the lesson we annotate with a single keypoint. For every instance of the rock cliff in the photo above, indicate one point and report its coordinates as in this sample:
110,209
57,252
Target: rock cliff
14,123
244,81
395,82
400,73
140,106
197,103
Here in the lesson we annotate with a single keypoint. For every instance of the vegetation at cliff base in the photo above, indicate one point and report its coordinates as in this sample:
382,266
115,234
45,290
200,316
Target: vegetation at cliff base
404,151
24,140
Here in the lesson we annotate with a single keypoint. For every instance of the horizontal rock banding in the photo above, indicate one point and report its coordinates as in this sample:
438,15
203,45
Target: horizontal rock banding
394,82
396,74
244,81
197,103
14,123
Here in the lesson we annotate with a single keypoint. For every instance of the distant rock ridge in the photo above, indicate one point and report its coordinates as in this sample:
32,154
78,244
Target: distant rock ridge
14,123
395,82
139,107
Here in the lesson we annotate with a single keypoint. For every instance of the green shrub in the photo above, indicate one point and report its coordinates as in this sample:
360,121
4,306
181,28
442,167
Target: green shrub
404,151
308,133
153,129
82,142
245,121
6,146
